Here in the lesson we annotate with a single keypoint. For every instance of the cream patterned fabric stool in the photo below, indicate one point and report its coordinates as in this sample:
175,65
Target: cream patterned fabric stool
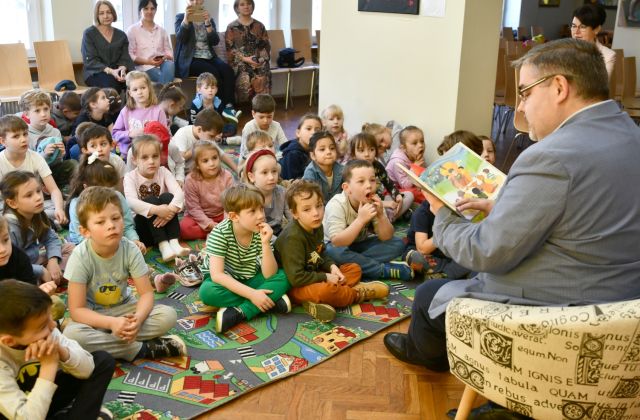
575,363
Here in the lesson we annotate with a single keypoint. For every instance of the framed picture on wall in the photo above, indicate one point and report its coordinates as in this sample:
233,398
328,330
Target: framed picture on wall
410,7
548,3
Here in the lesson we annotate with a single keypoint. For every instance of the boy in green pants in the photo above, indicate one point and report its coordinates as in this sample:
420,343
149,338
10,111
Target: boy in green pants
241,273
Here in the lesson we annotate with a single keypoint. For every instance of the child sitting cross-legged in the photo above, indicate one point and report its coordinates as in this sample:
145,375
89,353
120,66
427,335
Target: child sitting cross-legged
357,229
155,196
105,314
318,284
324,169
43,373
241,273
30,228
202,191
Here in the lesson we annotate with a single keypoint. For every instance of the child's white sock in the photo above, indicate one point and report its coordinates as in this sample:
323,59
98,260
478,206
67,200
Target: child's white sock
178,249
167,251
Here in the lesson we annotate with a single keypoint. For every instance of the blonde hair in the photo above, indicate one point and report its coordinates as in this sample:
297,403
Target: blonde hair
140,141
332,111
34,97
373,129
257,136
136,75
198,150
240,197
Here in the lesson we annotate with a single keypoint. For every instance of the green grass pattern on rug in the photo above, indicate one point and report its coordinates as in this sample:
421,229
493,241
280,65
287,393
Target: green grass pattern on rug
223,367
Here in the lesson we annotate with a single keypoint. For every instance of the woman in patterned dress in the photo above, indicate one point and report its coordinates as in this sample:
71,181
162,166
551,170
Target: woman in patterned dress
248,52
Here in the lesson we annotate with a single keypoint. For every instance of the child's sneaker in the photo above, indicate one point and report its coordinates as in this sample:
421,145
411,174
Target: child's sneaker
165,346
397,271
415,260
234,140
231,114
227,318
320,311
283,305
371,290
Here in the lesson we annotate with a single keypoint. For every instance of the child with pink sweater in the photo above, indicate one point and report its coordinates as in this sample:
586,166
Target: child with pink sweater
202,192
410,154
142,107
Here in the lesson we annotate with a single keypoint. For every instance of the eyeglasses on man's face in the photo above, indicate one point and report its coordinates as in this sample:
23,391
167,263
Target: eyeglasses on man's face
522,90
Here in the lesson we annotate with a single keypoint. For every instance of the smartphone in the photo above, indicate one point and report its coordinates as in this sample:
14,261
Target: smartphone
198,14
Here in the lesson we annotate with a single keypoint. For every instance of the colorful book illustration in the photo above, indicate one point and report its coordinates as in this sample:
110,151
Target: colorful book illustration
459,173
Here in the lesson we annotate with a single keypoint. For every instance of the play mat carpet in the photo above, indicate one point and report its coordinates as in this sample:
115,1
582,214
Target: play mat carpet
222,367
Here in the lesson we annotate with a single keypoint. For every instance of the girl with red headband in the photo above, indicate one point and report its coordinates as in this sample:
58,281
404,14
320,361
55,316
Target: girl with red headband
261,170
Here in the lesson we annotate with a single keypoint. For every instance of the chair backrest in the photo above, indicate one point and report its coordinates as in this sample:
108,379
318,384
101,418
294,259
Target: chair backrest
536,30
619,73
53,60
15,76
318,37
173,42
301,41
276,39
500,77
524,32
513,47
507,33
510,85
519,121
579,362
629,88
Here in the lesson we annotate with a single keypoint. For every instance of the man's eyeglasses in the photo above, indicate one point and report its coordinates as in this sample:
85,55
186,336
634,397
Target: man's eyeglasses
522,90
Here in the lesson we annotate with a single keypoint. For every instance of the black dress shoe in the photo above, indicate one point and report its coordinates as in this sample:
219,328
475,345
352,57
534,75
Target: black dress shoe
396,343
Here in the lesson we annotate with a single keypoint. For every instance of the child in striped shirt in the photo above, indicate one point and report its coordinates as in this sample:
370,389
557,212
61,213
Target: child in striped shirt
241,273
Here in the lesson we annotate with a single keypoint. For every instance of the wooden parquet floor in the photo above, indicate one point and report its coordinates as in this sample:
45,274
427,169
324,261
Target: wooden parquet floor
364,382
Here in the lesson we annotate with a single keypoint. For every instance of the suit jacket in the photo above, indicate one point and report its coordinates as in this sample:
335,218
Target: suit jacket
186,44
565,227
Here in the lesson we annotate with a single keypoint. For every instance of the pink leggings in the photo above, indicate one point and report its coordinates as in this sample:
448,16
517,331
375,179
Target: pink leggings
190,230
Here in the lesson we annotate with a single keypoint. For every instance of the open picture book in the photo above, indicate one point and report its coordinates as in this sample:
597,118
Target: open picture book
459,173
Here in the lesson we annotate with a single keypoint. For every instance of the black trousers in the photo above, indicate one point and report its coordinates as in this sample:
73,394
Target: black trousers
151,235
223,73
84,395
104,80
427,342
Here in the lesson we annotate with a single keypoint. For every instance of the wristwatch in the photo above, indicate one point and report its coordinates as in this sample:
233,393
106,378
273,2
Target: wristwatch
207,26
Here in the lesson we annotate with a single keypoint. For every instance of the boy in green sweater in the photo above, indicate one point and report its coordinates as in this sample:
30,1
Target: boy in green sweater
318,284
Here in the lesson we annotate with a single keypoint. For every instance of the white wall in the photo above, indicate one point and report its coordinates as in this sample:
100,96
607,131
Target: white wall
627,39
413,69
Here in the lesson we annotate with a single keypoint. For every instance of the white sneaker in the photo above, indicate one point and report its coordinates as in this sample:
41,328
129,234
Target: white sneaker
167,251
234,141
178,249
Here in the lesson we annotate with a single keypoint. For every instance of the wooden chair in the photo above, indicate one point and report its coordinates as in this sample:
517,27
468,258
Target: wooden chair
524,33
301,41
629,100
500,79
507,33
536,30
15,76
519,121
619,74
276,40
53,60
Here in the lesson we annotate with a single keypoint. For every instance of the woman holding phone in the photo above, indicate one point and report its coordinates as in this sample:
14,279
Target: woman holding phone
105,50
149,45
196,35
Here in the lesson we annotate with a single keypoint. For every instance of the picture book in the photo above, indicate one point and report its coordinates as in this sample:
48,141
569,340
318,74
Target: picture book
459,173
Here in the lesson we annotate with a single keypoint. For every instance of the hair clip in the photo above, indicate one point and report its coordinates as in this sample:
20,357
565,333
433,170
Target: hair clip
92,158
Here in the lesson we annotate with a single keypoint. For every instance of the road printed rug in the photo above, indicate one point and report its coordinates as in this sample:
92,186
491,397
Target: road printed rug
222,367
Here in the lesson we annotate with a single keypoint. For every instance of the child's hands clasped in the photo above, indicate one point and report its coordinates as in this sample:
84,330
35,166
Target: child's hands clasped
335,276
260,298
121,327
